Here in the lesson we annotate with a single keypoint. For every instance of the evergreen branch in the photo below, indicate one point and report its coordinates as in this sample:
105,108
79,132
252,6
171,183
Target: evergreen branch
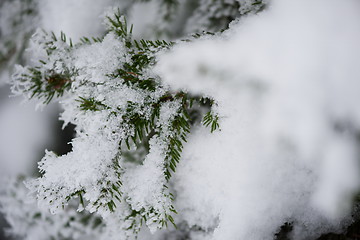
46,85
141,119
91,104
212,121
180,128
118,24
85,40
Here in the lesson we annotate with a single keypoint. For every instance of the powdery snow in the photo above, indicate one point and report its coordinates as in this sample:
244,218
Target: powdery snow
287,86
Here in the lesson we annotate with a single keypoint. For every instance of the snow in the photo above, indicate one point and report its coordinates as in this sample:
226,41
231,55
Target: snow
96,60
287,92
